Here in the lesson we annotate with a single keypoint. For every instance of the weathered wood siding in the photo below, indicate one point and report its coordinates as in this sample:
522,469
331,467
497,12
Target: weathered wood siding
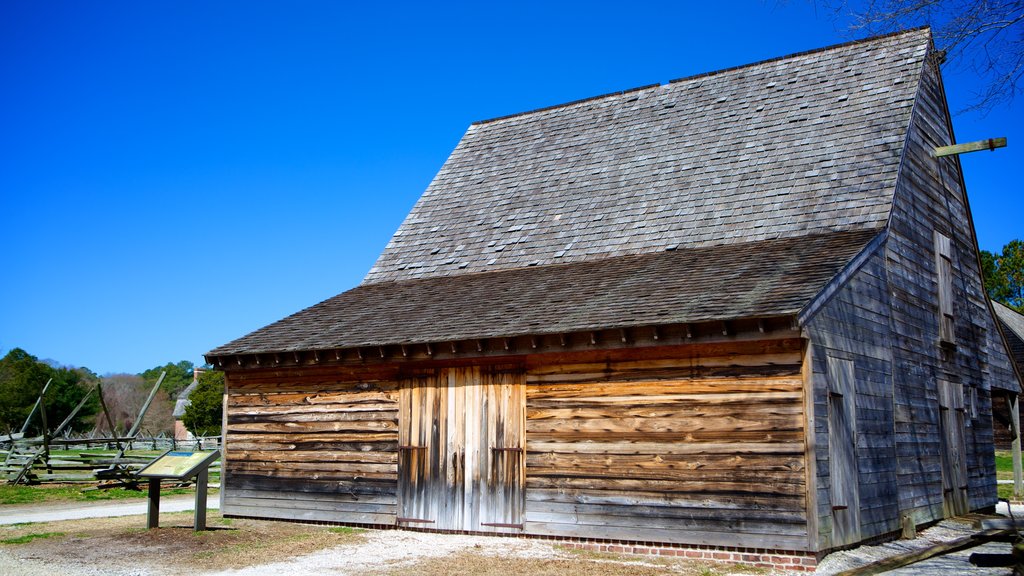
854,327
930,199
322,447
915,441
703,450
461,449
699,444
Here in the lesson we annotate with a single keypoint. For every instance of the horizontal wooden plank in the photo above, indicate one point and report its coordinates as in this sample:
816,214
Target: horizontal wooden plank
313,427
311,483
667,486
239,454
611,427
726,462
627,523
299,436
657,407
344,396
285,503
713,503
642,447
722,373
274,409
340,469
639,511
313,497
390,415
313,446
309,515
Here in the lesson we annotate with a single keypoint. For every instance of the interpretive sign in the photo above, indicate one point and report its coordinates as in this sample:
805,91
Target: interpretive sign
176,465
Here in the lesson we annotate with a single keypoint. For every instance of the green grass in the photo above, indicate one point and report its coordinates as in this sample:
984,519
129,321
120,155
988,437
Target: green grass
1004,463
346,530
30,537
12,495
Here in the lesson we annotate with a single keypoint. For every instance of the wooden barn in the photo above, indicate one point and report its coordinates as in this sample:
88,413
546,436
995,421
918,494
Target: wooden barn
737,312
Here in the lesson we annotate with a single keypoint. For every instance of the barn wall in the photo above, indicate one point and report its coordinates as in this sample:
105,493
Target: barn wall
930,197
704,450
321,447
702,444
854,326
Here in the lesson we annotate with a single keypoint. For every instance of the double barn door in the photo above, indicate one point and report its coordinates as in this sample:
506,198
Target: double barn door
461,450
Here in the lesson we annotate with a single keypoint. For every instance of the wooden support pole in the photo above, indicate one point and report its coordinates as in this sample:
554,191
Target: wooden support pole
1018,475
990,144
200,514
153,510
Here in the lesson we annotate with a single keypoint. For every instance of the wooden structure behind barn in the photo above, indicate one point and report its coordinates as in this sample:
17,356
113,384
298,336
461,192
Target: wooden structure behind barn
181,403
1012,324
741,310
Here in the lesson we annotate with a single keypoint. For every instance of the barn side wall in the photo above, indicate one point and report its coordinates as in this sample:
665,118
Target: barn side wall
703,450
315,446
930,198
854,326
699,445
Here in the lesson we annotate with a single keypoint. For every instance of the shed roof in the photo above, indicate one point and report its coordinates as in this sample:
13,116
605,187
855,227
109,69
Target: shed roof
1013,328
755,279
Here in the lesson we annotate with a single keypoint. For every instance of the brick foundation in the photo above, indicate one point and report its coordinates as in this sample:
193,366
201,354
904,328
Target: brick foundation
757,557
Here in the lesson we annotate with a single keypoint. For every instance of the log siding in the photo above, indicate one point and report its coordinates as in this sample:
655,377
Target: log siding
700,445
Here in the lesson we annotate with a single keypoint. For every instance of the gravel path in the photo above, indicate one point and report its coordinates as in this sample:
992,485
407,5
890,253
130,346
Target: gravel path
386,549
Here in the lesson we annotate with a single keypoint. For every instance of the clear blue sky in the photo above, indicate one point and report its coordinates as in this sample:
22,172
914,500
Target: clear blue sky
174,175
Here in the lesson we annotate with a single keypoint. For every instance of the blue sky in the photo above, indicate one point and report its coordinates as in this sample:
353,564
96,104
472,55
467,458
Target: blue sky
174,175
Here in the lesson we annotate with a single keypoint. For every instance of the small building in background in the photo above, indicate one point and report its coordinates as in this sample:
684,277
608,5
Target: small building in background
182,402
1012,324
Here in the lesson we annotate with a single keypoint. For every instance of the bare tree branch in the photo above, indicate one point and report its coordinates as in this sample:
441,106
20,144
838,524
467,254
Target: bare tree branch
984,36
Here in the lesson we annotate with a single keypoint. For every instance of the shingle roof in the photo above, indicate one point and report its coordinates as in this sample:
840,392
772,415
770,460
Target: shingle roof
756,279
793,146
1013,328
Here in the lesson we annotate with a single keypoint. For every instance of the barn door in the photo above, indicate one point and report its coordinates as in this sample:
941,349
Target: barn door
842,434
461,450
954,453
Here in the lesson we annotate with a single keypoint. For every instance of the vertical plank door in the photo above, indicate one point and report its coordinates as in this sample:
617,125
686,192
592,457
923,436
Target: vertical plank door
954,451
842,434
461,438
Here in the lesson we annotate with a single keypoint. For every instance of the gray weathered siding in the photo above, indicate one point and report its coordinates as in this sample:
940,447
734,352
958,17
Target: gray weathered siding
930,197
854,325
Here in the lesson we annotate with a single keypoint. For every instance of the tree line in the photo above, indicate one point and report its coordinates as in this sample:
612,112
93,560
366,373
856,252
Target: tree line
23,377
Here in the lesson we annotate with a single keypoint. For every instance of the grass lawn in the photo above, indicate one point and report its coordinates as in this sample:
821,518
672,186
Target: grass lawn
55,493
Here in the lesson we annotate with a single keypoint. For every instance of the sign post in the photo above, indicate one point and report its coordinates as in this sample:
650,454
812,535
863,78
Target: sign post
176,465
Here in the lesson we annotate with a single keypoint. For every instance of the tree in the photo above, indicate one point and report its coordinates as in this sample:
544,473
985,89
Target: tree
22,378
984,35
21,381
124,395
1004,274
205,410
179,376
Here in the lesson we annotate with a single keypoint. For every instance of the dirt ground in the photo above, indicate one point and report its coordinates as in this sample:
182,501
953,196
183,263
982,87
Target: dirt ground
123,547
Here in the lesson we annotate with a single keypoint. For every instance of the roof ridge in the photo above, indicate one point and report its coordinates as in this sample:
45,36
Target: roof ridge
703,75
